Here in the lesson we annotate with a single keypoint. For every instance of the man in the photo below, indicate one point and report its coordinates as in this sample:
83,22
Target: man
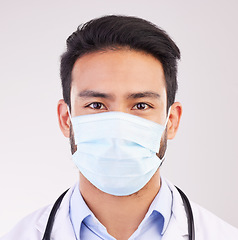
119,79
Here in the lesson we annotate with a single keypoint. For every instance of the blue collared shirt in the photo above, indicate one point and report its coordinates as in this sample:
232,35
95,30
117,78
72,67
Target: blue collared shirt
86,226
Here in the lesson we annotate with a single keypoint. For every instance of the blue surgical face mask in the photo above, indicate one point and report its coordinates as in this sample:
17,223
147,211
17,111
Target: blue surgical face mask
116,151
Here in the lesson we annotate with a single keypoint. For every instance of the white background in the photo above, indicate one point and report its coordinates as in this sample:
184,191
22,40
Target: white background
35,158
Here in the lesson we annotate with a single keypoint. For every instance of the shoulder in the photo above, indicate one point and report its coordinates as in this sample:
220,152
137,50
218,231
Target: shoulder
28,228
207,225
210,226
32,227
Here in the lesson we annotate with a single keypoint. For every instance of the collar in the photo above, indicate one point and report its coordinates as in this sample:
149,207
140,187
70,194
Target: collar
162,205
78,210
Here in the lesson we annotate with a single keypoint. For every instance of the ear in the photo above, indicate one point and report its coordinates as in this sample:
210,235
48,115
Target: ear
174,120
63,118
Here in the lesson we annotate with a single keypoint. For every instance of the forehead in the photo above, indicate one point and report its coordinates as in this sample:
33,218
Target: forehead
125,70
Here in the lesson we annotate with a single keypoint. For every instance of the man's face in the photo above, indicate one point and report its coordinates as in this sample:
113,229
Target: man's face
120,80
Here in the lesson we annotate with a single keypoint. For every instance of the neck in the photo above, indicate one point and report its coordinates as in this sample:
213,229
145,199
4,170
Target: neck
120,215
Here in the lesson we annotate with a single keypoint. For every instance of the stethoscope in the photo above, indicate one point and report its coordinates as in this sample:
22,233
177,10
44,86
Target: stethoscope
187,206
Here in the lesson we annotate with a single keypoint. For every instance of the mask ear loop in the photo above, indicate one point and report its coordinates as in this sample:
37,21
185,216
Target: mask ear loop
167,119
70,117
69,113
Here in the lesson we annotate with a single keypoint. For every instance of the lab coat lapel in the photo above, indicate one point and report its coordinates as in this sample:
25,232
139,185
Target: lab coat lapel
178,225
174,232
62,227
63,230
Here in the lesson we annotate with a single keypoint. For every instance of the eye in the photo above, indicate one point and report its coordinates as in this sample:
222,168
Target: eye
141,106
96,106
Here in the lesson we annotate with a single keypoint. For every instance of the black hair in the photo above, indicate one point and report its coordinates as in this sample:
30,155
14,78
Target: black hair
113,32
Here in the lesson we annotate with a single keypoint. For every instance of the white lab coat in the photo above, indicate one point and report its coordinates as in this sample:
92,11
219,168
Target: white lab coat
207,225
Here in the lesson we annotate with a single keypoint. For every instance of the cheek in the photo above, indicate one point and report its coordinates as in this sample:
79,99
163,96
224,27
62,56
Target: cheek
159,115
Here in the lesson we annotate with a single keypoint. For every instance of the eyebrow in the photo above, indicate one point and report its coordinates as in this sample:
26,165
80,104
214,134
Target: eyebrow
143,95
89,94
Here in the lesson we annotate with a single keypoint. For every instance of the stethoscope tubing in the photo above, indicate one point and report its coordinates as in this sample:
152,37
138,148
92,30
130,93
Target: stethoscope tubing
189,212
51,218
187,206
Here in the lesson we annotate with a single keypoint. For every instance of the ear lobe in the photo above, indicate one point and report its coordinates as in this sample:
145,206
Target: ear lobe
174,120
63,118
